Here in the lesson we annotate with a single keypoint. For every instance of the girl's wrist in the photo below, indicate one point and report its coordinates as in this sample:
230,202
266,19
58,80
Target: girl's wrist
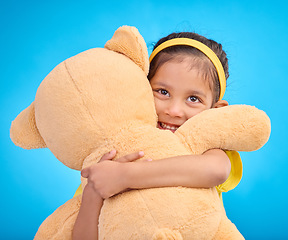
133,173
89,194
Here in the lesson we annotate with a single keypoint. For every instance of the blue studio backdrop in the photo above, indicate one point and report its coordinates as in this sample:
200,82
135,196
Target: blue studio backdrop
38,35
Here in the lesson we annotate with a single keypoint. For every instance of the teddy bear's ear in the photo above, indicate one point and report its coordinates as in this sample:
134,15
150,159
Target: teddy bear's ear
24,132
128,41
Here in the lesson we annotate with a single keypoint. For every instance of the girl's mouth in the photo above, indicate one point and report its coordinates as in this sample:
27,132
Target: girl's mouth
167,126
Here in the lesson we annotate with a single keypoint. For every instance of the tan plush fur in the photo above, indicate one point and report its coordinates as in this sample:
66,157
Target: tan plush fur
101,99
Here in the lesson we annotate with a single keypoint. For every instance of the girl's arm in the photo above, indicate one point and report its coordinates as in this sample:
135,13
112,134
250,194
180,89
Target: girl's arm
206,170
86,225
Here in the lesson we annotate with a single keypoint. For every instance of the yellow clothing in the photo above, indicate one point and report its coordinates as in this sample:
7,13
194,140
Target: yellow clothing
235,173
78,191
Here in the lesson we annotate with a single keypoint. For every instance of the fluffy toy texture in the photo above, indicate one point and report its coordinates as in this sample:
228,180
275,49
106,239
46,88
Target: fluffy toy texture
100,100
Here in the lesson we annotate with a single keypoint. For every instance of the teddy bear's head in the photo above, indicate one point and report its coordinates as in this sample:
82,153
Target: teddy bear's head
87,97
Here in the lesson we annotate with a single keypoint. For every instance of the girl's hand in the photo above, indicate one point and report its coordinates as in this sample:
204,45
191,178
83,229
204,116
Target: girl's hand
109,177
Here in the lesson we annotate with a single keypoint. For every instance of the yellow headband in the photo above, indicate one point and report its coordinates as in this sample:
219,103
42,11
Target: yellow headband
203,48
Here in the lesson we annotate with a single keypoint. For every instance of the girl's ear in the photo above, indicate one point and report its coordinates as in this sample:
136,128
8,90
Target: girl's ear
24,132
220,103
128,41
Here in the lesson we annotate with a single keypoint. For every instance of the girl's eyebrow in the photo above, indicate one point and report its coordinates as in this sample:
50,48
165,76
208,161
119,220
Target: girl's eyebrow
161,84
157,86
198,93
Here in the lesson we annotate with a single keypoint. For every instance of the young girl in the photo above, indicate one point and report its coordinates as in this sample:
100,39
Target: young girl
188,75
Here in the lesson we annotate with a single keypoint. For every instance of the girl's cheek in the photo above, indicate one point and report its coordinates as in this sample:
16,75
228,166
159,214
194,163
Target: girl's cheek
159,106
156,102
195,111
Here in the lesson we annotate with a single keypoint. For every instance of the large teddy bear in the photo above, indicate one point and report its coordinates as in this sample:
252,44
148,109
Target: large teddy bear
100,100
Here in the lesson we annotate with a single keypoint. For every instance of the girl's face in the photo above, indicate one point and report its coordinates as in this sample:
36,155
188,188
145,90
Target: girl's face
180,93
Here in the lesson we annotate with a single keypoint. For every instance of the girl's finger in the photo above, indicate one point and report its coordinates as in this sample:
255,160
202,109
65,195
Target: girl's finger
108,156
148,160
130,157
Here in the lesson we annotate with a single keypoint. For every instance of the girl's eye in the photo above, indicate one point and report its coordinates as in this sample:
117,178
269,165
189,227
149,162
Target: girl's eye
163,92
193,99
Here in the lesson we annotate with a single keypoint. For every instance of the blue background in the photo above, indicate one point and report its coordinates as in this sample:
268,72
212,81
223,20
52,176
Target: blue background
37,35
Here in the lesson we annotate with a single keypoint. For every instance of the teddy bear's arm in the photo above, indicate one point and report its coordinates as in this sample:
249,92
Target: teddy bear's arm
227,231
24,132
235,127
59,225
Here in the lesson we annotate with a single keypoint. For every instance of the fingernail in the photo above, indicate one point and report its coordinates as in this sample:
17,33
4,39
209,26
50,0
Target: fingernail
113,151
141,153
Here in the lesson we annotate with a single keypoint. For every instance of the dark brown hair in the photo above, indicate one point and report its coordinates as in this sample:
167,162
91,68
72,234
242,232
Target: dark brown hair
179,52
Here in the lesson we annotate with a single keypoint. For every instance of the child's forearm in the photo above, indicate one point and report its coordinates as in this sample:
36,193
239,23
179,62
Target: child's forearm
207,170
86,225
111,177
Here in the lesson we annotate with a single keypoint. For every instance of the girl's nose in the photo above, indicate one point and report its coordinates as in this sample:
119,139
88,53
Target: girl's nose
175,109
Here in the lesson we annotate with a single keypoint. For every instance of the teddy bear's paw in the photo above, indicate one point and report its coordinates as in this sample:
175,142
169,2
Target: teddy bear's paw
167,234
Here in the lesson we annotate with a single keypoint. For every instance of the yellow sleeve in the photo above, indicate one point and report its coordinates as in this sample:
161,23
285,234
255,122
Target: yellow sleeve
235,173
78,191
